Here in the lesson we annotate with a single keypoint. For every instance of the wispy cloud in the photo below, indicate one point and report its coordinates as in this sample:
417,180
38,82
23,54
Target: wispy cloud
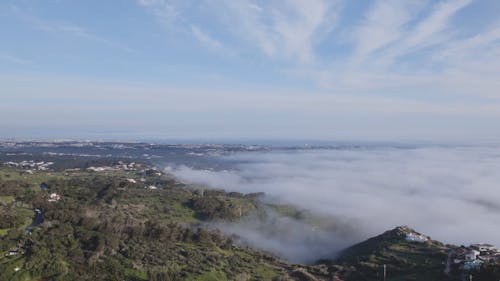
14,59
427,31
431,30
204,38
73,30
414,48
469,48
290,30
394,29
164,10
395,45
385,23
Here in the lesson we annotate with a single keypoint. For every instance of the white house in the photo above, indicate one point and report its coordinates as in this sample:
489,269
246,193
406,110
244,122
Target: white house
54,197
483,247
472,255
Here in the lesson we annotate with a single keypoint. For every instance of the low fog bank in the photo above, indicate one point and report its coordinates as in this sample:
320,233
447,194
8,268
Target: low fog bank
297,240
449,193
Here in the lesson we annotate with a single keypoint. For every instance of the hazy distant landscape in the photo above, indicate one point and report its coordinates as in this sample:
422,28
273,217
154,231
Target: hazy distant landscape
307,204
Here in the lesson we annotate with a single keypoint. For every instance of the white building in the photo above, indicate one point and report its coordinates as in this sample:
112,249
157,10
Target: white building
483,247
53,197
472,255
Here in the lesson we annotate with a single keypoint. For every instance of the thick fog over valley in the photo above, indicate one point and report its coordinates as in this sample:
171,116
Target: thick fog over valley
449,193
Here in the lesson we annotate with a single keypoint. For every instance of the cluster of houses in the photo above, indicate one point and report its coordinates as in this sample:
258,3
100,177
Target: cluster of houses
134,181
465,258
100,169
416,237
120,166
14,252
30,164
472,257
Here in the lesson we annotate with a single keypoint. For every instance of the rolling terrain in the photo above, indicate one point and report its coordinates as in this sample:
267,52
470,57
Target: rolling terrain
108,218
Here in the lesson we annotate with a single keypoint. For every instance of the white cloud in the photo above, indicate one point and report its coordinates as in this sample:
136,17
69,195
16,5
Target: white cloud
406,46
404,34
412,49
204,38
164,10
384,24
432,30
288,30
284,29
468,49
428,30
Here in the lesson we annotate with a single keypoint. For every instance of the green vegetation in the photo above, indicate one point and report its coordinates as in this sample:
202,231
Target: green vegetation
4,200
106,227
404,260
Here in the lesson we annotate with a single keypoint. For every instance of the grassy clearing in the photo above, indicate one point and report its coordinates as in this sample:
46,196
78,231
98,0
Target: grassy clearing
265,273
136,274
209,276
6,199
35,179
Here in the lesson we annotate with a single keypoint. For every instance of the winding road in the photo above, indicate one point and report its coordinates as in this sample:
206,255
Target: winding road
37,220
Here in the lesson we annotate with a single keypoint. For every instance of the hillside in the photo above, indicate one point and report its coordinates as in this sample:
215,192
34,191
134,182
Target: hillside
404,254
125,225
403,260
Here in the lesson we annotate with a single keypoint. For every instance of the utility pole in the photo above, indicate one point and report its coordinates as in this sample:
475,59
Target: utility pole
385,272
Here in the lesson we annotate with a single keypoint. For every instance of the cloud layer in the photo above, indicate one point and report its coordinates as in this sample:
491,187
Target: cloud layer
383,47
449,193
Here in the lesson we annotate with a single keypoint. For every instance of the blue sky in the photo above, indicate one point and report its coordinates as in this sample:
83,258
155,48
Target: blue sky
227,69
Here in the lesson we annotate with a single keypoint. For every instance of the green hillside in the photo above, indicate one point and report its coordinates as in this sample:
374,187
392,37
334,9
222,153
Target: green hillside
108,227
403,260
